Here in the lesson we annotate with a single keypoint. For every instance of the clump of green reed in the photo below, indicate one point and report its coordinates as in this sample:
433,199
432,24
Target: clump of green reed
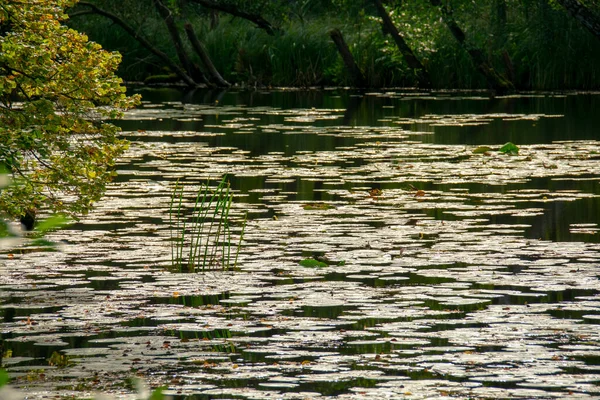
201,237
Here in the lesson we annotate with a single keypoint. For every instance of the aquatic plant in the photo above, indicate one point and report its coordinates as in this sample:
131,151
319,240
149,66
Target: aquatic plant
201,240
509,148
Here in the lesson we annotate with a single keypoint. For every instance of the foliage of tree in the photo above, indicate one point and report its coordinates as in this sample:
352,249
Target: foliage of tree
409,56
448,43
175,14
252,10
495,81
57,88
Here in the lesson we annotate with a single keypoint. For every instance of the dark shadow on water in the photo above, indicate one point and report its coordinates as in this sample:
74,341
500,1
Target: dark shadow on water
579,116
191,301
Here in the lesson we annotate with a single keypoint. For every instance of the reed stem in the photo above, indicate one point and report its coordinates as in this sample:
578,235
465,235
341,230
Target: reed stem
205,236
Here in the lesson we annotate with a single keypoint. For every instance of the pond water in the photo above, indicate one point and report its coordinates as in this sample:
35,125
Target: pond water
448,268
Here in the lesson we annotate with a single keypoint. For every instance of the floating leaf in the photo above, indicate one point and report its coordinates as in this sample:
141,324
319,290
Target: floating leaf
375,192
509,148
317,206
328,261
312,263
481,150
59,360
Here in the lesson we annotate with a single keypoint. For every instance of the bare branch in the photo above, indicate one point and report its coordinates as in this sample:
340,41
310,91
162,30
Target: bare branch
582,14
257,19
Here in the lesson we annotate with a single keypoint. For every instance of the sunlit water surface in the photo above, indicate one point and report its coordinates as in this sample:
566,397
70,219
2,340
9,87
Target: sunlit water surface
452,269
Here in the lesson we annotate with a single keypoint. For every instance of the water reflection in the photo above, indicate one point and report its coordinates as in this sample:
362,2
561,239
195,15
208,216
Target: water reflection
575,114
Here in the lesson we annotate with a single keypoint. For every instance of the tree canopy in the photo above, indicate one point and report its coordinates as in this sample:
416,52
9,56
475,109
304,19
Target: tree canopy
498,44
57,88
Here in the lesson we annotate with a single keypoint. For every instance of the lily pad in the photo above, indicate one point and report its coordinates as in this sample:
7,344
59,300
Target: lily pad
462,292
482,150
509,148
318,206
312,263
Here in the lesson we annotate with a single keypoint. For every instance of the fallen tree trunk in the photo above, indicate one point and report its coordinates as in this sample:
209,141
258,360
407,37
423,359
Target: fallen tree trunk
357,76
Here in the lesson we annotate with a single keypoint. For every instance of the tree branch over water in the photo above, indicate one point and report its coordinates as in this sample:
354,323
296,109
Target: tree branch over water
582,14
257,19
143,41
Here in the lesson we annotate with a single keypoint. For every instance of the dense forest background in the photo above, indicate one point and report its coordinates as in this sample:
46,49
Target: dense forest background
463,44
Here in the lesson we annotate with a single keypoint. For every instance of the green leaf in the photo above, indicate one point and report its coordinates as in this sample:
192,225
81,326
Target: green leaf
312,263
41,242
38,140
157,394
56,221
4,378
509,148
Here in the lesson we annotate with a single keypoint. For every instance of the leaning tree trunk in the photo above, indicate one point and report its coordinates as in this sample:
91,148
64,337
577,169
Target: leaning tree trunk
410,58
498,12
357,76
167,16
199,47
127,28
495,81
499,21
582,14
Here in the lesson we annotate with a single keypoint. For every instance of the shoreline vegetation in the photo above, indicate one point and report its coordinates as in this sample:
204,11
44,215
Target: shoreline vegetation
498,45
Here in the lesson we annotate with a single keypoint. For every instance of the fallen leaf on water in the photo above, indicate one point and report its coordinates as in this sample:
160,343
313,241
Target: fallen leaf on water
317,206
481,150
375,192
